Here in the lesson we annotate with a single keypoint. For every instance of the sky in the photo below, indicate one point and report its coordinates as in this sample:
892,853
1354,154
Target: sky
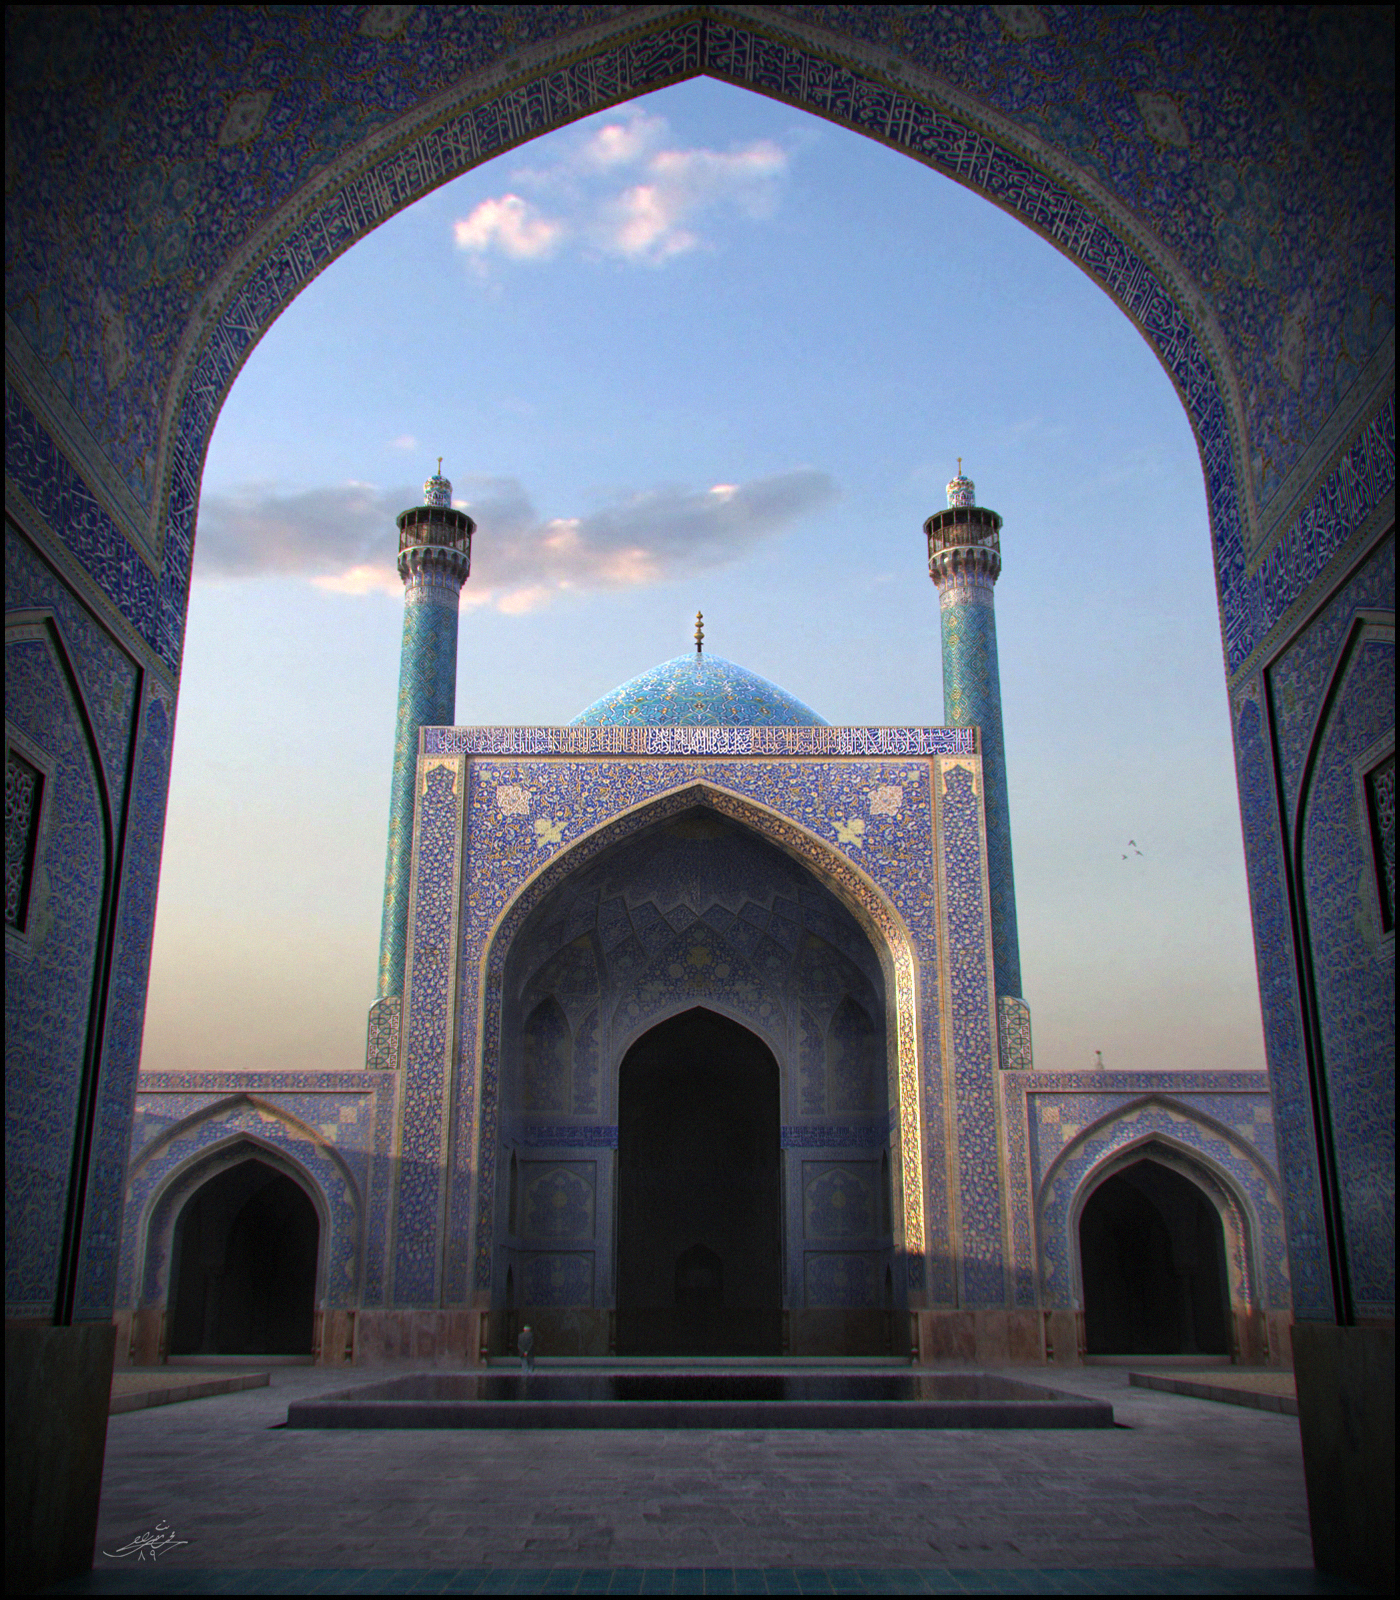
704,352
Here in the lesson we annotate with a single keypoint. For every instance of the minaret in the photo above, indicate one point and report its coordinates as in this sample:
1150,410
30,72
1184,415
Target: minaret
435,555
964,559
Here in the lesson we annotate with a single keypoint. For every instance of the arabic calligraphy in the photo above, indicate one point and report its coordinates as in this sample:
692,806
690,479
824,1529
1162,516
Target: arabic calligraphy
147,1546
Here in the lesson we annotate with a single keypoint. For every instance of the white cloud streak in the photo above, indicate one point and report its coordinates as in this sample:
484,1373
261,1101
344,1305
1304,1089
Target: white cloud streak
623,193
342,539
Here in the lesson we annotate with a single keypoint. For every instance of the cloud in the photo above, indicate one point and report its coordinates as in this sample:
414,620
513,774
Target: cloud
620,192
255,531
510,225
648,222
405,441
343,539
617,144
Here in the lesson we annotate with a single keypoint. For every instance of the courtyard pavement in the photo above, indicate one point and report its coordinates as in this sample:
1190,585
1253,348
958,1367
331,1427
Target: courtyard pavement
1184,1496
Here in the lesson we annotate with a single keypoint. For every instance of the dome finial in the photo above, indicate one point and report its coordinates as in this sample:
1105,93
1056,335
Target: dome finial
699,633
437,491
962,491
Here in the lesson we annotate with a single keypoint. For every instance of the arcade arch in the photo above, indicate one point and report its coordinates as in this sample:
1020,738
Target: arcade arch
207,1146
1169,1260
244,1266
1152,1266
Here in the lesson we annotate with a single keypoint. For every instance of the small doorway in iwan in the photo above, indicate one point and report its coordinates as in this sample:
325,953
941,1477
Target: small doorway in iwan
699,1251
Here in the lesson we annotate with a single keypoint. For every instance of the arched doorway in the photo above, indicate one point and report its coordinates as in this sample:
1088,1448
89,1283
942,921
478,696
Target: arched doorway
244,1266
699,1248
1152,1254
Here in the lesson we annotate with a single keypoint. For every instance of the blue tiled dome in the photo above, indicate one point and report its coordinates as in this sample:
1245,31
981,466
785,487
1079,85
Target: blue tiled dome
698,691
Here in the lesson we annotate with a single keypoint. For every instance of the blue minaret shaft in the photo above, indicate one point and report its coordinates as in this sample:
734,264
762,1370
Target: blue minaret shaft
435,544
964,560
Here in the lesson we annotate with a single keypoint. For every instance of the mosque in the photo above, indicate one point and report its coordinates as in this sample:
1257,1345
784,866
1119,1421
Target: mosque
1225,176
700,1030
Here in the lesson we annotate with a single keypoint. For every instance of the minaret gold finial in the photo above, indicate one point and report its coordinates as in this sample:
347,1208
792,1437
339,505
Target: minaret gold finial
959,465
699,633
440,465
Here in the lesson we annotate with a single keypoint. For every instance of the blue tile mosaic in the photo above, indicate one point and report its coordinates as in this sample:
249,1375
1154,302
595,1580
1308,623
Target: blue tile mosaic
1079,1122
126,1010
1353,966
108,676
352,1111
549,806
613,739
427,697
836,1136
1019,1186
108,684
203,1131
698,691
972,698
973,1028
1278,990
48,969
564,1136
763,926
429,990
1083,166
1215,170
53,486
1300,676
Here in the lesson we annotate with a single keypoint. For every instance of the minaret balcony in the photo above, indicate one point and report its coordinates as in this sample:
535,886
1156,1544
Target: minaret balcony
960,526
436,525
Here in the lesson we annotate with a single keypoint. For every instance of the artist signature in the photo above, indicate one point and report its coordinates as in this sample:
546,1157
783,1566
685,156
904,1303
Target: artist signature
147,1546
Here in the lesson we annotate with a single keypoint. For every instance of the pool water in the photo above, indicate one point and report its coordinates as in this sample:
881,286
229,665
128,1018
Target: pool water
702,1387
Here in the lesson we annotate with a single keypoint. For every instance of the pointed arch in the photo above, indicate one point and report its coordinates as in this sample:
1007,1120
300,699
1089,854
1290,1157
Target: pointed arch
838,76
1155,1099
98,862
243,1266
1347,1207
1229,1203
1237,1182
217,1137
220,1110
878,918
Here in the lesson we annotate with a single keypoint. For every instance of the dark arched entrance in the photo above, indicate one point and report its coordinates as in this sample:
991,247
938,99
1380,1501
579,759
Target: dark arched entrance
244,1279
699,1249
1153,1257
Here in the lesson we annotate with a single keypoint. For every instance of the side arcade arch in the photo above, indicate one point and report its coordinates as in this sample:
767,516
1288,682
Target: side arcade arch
243,1265
877,918
1234,1181
206,1146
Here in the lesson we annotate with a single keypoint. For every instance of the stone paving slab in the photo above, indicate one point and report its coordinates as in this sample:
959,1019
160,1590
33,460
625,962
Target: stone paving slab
1264,1391
1180,1483
1259,1380
134,1391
